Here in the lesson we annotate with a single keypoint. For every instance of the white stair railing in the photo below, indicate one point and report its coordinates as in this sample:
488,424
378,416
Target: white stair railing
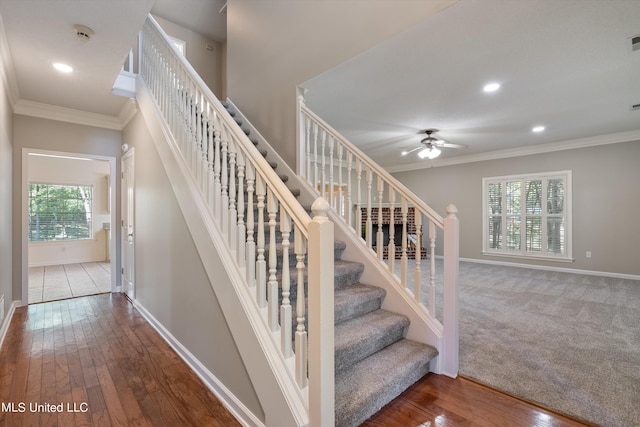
254,210
390,222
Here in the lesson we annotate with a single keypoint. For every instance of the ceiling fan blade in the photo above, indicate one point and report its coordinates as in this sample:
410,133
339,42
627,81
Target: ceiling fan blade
412,150
449,145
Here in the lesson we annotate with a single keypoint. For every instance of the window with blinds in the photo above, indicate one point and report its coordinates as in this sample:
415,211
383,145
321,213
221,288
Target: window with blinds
528,215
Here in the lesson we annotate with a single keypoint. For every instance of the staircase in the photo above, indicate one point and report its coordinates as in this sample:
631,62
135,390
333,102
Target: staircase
374,362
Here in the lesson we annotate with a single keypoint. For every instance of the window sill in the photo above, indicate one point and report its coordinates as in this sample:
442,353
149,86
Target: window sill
529,257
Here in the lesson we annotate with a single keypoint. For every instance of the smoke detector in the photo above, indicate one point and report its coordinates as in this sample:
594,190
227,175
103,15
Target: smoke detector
83,32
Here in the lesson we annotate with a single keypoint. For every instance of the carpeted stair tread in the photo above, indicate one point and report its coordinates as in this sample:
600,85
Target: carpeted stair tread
360,337
346,273
365,387
356,300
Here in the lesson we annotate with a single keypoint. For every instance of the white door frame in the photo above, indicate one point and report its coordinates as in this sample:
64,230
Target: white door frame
115,282
129,205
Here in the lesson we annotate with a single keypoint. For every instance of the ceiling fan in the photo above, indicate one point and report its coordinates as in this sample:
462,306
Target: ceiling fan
430,146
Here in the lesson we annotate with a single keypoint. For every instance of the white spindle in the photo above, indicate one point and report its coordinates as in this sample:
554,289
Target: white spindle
285,308
315,155
224,176
261,265
417,288
233,212
358,224
392,230
348,208
340,203
432,268
380,236
301,333
369,220
272,283
331,184
251,244
403,256
307,147
323,157
241,228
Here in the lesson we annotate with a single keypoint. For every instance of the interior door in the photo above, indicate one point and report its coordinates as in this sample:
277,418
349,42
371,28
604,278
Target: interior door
128,235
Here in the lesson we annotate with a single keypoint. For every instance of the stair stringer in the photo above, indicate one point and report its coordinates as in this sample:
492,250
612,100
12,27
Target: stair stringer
422,328
282,402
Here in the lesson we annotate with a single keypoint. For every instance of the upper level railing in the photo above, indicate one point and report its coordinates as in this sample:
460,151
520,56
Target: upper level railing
262,223
389,220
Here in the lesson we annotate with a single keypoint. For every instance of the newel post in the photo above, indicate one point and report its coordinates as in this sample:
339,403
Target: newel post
321,327
301,136
450,314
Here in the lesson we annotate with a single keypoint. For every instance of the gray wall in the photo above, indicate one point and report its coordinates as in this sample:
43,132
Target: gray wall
6,135
207,63
43,134
273,46
606,201
170,279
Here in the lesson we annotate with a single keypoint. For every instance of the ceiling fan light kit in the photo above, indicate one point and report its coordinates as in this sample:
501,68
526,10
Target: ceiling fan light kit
430,146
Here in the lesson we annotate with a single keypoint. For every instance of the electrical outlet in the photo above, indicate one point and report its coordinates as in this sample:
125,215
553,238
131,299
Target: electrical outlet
588,254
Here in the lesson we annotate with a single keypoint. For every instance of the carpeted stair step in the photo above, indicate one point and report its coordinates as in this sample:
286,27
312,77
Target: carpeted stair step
346,273
362,336
365,387
338,248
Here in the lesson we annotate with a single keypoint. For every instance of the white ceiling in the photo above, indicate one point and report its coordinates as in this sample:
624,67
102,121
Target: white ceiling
201,16
566,65
40,32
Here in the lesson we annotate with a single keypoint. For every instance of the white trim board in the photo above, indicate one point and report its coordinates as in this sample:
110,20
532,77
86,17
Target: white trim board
551,268
7,321
235,406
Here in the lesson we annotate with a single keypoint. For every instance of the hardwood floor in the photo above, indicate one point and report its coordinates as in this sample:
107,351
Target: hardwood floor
439,401
96,355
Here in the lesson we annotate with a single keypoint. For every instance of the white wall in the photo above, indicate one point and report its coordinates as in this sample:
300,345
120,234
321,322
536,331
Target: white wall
606,202
273,46
31,133
207,63
170,279
6,179
94,173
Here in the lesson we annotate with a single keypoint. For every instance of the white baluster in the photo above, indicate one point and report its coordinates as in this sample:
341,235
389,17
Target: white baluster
392,230
308,149
432,268
261,265
251,244
241,228
331,185
417,285
211,174
224,176
369,220
340,203
285,309
403,257
272,284
348,208
301,333
233,213
315,155
358,225
323,175
380,237
217,166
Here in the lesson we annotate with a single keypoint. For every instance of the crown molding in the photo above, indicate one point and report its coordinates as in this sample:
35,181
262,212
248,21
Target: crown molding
62,114
572,144
128,112
7,71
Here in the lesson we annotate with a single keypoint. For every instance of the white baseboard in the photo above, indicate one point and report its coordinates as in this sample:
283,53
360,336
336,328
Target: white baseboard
558,269
235,406
7,320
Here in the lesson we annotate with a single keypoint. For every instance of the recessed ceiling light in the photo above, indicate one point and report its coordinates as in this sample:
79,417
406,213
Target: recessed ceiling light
491,87
63,68
538,129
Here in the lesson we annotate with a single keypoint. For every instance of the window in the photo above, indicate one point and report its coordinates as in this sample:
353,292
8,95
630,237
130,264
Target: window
59,212
179,44
528,215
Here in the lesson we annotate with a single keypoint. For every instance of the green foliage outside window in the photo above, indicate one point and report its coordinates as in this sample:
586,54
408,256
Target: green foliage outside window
59,212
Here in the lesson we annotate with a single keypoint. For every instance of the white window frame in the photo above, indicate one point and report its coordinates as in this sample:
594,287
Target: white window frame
181,45
544,254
